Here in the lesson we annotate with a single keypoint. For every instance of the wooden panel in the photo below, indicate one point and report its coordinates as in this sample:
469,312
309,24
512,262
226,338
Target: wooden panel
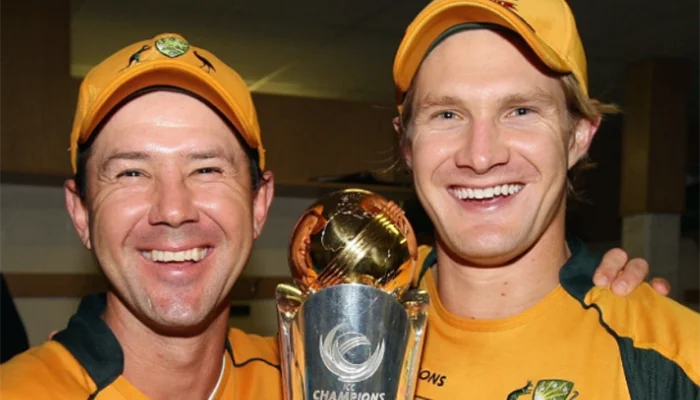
669,128
636,139
79,285
654,137
308,138
37,94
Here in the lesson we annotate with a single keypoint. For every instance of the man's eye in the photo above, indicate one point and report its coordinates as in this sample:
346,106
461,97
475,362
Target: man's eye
521,111
446,115
130,174
208,170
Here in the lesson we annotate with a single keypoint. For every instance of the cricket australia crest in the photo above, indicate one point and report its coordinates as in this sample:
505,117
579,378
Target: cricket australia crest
172,46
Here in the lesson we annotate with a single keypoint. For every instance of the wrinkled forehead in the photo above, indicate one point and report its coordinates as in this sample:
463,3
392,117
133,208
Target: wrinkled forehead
164,119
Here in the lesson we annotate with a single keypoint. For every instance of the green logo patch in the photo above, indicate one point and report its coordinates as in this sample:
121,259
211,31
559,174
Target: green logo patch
172,46
546,389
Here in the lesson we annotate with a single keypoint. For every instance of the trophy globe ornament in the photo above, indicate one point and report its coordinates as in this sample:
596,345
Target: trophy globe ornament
353,236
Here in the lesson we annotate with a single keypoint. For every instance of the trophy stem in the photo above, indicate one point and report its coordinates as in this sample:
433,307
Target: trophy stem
416,302
289,299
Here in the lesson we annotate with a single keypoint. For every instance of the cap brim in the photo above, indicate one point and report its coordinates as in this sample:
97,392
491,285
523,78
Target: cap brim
439,18
173,74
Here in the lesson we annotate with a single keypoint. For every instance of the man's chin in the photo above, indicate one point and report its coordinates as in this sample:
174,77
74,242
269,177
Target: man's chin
486,254
180,321
486,259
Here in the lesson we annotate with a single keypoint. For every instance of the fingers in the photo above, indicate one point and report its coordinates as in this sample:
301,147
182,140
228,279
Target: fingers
620,273
623,275
51,334
661,285
612,263
633,274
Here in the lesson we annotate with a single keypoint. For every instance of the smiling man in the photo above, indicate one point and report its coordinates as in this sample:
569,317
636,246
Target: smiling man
169,195
494,116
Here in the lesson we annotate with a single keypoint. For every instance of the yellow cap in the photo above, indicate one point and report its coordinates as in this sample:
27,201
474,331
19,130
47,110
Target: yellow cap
547,26
166,60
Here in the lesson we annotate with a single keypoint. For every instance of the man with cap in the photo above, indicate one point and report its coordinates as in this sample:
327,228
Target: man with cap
494,116
170,192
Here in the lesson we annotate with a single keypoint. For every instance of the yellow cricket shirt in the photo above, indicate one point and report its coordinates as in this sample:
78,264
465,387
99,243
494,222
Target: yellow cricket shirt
85,361
579,342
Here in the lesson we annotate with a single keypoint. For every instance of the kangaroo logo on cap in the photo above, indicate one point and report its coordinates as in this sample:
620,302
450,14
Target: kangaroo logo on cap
172,46
136,57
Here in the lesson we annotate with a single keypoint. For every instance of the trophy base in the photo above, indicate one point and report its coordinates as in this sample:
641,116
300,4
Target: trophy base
350,341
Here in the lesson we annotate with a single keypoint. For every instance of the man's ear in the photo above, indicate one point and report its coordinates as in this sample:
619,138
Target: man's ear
78,212
581,139
405,143
262,199
397,124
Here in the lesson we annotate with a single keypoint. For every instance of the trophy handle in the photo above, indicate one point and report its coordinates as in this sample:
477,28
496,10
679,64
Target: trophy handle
289,299
416,302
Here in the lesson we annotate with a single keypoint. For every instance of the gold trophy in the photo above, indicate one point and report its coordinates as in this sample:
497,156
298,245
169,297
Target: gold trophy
352,327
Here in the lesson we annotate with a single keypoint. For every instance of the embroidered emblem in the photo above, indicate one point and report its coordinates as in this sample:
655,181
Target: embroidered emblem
172,46
205,63
136,57
546,389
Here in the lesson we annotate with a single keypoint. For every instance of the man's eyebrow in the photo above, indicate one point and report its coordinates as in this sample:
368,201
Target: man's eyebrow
124,155
212,154
207,154
437,101
534,95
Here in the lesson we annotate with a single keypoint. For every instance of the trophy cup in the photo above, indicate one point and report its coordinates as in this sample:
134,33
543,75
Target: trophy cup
352,326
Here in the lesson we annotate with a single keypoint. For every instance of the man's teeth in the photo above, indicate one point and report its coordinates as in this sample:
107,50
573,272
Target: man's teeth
486,193
195,255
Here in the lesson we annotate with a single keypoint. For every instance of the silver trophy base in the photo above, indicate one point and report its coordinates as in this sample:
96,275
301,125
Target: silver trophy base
350,341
